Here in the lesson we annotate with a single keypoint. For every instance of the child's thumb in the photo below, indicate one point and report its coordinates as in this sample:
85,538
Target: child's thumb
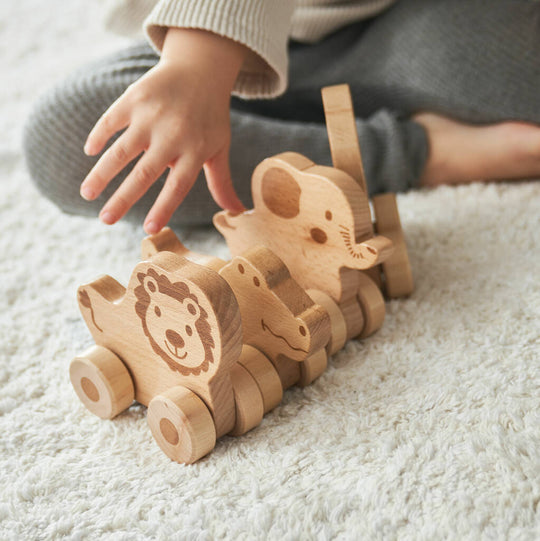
218,178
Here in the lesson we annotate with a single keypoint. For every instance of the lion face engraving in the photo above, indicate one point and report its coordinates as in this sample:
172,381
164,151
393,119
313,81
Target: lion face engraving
174,322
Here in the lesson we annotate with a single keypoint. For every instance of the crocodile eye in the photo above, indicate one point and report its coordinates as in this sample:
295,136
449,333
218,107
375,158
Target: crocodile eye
256,281
302,330
157,311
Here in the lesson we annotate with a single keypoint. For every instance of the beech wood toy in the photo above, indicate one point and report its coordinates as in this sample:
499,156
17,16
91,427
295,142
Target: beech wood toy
172,340
284,323
396,278
210,345
318,220
326,210
168,341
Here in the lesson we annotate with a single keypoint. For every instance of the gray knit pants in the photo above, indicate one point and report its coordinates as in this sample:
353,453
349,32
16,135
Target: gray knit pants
474,60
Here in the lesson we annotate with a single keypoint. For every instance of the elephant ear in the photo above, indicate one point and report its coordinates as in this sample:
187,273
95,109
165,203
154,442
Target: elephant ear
276,184
281,193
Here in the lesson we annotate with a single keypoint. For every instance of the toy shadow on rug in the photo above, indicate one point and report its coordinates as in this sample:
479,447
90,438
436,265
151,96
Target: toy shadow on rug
209,346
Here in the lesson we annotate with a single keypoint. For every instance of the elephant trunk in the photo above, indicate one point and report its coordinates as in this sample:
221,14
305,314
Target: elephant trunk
369,253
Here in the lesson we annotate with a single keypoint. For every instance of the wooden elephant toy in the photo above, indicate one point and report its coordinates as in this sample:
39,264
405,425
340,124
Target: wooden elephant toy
318,220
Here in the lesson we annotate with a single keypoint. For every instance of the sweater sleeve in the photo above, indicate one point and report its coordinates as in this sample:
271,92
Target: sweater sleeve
261,25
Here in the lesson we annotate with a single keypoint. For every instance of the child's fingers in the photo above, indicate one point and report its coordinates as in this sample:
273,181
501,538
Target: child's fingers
218,177
113,120
180,180
151,165
125,149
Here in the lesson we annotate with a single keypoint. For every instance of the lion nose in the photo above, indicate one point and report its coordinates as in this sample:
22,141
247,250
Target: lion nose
174,338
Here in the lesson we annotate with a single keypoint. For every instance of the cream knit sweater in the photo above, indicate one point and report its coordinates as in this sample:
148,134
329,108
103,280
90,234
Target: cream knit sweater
264,26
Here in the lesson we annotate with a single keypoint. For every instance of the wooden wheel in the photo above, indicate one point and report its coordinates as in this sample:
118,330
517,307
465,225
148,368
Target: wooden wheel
398,280
313,367
338,325
371,301
181,425
248,401
265,375
353,315
102,382
375,273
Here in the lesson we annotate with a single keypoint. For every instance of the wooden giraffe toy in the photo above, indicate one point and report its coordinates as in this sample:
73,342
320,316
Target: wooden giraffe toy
209,345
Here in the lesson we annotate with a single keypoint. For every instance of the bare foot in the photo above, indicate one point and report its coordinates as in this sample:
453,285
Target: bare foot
461,153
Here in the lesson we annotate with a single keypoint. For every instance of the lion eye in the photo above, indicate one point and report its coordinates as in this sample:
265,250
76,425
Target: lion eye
302,330
191,309
328,215
157,311
189,330
256,281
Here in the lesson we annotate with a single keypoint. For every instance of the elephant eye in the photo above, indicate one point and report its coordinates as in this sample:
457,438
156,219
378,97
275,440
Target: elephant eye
189,330
157,311
256,281
318,235
328,215
302,330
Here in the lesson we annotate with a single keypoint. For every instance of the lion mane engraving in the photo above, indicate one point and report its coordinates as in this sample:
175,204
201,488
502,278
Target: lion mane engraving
174,322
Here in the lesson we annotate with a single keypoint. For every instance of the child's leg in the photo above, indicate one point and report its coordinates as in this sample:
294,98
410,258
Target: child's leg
57,129
475,62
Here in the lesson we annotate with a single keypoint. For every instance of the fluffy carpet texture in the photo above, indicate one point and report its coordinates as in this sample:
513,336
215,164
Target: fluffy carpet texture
429,429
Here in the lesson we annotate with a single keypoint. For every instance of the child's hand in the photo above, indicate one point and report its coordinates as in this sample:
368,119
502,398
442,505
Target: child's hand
178,115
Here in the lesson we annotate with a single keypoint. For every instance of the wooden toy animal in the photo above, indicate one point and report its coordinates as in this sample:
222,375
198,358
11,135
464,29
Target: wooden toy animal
318,220
309,215
168,340
172,340
316,235
209,345
394,275
294,329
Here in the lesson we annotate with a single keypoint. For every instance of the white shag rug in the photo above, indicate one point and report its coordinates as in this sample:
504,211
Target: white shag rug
428,430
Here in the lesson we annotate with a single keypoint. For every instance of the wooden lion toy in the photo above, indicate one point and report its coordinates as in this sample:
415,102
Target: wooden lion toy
169,341
173,341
